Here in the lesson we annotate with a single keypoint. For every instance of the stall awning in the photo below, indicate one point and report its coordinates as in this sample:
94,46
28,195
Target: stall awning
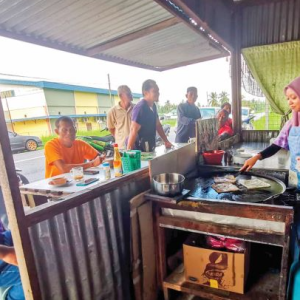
140,33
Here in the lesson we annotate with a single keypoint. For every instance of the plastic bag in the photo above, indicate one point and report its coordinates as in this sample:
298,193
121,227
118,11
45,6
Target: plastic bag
225,243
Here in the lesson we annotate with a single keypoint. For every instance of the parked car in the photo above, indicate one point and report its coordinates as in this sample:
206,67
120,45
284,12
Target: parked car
171,115
246,112
23,142
209,112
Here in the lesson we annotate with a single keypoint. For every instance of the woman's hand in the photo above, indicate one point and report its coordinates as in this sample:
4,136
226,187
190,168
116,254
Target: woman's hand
249,163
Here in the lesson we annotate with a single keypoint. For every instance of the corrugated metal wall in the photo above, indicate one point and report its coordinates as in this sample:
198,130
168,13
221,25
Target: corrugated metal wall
84,253
271,23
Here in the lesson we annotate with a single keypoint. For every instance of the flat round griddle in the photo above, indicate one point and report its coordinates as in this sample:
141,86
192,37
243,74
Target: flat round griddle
201,188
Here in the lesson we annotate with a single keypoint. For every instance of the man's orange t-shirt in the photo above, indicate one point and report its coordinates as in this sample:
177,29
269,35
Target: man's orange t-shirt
77,154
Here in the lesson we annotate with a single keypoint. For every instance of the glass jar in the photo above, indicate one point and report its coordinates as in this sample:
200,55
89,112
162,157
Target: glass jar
106,169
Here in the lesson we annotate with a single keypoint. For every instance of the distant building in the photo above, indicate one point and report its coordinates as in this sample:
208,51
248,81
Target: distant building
31,107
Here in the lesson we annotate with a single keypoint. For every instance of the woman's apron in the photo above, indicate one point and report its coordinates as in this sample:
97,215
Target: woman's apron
294,180
294,146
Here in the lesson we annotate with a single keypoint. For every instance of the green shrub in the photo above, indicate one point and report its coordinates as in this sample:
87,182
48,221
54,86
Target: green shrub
45,139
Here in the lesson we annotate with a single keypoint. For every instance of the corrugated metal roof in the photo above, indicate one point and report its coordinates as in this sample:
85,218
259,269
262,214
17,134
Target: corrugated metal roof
77,26
271,23
157,46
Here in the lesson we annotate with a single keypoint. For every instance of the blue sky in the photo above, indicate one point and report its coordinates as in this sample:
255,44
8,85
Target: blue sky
28,60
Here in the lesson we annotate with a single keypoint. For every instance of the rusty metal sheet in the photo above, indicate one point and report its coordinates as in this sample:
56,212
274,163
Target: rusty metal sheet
84,253
271,23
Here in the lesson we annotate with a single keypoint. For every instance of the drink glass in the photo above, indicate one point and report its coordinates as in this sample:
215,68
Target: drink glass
77,173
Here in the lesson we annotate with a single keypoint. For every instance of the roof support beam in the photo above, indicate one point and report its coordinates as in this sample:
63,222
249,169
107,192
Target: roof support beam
256,2
132,36
236,73
206,31
194,61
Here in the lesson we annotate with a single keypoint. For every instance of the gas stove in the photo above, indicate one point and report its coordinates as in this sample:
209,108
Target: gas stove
288,198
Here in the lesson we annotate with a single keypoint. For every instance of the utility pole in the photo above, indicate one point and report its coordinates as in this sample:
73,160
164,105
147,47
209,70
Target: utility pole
6,94
9,114
109,89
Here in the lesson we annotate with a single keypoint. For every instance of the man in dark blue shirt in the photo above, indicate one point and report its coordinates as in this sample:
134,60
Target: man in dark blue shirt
145,121
187,114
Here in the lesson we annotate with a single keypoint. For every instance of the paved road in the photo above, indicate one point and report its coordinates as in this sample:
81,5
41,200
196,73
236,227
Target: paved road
32,164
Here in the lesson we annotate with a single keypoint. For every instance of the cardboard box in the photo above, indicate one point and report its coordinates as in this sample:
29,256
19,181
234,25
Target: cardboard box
217,269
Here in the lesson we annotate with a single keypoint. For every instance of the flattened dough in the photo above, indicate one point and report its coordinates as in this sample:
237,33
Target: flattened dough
224,187
223,179
252,184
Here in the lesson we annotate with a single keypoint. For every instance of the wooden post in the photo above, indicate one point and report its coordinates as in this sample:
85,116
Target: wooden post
10,188
236,71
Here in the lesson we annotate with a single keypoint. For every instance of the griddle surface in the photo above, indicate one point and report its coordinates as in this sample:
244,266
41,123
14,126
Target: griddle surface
201,188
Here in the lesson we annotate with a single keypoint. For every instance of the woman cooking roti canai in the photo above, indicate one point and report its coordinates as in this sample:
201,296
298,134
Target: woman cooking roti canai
289,136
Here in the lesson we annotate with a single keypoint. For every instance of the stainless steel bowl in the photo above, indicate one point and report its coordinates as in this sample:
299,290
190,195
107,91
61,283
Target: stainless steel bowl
168,184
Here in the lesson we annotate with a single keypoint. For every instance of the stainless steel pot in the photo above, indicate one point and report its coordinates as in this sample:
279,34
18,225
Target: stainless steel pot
168,184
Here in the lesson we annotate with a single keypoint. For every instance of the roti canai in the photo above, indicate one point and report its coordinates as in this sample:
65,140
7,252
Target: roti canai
225,187
223,179
255,183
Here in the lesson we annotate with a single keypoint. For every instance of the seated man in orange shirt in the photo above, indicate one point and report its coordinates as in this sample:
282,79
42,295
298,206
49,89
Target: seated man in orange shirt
64,152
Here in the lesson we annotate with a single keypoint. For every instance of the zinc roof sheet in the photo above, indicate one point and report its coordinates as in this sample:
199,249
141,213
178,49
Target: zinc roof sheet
77,26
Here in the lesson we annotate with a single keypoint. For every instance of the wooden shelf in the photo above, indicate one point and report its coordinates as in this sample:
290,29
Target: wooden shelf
266,287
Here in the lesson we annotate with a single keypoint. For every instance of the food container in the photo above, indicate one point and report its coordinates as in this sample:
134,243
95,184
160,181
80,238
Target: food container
213,157
168,184
109,160
240,158
106,169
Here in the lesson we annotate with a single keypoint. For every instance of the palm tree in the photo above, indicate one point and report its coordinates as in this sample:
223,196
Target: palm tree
223,97
213,99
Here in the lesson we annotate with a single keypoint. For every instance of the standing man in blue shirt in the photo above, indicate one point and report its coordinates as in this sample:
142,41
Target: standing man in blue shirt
187,114
145,121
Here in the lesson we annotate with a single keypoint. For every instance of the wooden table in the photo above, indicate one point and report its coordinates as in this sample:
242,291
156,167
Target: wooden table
270,286
43,188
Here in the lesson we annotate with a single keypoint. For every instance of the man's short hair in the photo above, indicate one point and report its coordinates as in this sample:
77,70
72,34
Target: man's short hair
191,89
63,119
225,104
123,89
147,85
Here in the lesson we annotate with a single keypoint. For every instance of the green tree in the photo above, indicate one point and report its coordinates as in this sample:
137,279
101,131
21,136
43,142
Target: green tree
223,97
166,108
213,99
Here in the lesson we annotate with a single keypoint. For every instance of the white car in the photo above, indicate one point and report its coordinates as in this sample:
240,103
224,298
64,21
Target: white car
171,115
209,112
246,112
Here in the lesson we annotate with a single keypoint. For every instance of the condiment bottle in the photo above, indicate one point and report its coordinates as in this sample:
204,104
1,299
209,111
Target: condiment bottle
106,169
117,162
